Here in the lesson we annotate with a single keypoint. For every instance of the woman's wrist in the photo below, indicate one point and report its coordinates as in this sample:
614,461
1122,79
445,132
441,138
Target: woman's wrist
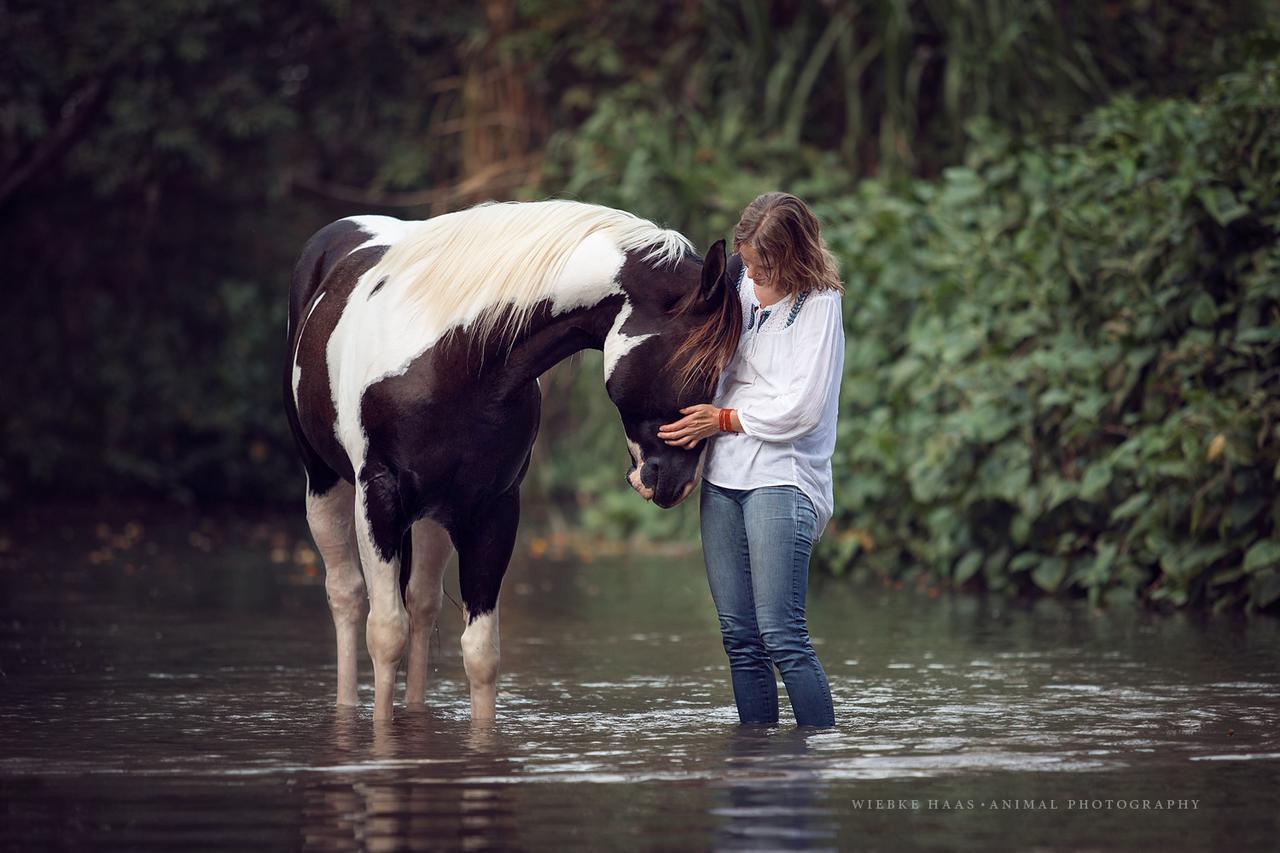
726,420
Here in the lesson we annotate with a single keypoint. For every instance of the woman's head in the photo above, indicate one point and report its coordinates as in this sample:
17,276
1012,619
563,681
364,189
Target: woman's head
781,244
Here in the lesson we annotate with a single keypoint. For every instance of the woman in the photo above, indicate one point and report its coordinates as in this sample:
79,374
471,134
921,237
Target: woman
766,485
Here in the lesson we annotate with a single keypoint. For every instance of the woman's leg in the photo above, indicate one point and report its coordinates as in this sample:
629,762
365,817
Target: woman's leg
724,548
780,525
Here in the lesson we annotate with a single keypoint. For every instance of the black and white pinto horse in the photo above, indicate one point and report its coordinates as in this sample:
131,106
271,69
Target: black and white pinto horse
411,389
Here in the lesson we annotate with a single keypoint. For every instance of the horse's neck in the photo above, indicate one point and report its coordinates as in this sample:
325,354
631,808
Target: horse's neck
550,338
586,311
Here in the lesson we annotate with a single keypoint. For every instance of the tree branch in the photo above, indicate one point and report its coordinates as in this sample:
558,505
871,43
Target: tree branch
75,115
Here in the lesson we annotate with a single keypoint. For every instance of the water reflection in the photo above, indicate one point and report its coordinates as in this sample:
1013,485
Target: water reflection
192,706
771,794
404,785
427,781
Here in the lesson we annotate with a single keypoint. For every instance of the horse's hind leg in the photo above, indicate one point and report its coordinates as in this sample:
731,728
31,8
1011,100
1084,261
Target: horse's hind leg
331,517
379,529
431,549
484,550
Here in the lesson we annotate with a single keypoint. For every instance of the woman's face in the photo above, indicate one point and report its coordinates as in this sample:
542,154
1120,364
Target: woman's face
755,269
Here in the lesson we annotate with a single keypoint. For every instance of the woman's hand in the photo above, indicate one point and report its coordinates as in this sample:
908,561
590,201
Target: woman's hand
699,422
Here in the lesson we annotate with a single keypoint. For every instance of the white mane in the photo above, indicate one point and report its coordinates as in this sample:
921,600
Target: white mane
468,265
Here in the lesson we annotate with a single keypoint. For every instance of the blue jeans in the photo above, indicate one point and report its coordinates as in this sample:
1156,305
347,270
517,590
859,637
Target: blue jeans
756,544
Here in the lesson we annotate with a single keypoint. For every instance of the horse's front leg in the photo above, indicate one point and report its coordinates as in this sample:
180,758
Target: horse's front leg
331,518
379,528
431,549
484,550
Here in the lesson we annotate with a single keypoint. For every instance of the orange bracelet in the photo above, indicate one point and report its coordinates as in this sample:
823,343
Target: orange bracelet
726,420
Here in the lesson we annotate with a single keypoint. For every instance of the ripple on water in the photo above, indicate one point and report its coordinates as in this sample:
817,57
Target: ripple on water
619,711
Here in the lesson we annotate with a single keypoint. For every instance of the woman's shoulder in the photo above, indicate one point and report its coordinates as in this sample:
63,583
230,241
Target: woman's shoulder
818,317
824,303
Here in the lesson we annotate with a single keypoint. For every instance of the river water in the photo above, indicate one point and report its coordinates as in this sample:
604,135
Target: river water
170,686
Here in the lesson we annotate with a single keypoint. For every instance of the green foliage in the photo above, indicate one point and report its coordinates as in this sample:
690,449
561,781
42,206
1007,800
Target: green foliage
1062,357
885,85
228,94
1063,360
153,155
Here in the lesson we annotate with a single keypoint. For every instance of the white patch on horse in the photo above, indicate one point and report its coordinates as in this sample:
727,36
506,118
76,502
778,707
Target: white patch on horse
590,275
297,368
633,476
617,344
480,658
366,343
382,230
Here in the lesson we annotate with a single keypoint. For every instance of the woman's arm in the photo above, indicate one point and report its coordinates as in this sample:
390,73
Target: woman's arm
795,412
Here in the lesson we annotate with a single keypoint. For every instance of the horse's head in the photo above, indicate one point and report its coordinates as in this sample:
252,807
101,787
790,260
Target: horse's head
674,334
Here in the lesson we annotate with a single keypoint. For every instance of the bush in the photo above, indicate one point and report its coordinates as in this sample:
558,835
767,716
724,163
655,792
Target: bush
1064,360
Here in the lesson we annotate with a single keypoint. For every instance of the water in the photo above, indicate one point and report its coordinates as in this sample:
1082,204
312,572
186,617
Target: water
166,687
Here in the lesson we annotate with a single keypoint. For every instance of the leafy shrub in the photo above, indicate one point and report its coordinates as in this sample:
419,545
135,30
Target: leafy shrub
1064,360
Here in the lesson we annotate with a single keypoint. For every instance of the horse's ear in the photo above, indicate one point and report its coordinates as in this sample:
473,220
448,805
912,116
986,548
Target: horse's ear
713,267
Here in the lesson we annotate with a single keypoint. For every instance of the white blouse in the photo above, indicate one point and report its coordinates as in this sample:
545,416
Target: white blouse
784,381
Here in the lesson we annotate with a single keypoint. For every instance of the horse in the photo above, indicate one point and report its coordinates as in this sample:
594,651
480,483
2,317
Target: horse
411,390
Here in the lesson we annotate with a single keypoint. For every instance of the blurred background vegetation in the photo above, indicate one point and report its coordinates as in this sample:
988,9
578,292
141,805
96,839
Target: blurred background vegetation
1058,223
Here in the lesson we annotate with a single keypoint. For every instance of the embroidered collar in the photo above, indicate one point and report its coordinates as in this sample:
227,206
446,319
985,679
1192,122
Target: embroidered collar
759,315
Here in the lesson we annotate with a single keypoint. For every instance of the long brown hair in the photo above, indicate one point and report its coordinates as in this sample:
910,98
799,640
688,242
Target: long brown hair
785,233
712,343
